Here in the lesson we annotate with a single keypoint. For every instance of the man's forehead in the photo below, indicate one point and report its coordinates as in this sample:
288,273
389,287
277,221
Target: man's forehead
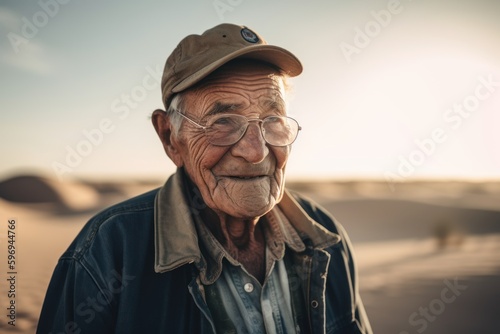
221,100
228,104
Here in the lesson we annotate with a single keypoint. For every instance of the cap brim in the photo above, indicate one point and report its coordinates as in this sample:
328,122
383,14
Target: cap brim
275,55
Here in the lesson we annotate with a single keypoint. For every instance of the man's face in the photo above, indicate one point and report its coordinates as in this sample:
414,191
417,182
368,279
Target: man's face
246,179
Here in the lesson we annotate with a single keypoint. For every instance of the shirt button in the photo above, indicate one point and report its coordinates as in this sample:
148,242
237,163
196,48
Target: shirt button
314,304
248,287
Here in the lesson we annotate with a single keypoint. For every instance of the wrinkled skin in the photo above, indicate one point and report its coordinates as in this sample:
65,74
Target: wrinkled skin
242,182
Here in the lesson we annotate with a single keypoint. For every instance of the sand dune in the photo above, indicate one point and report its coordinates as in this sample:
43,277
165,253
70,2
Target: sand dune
35,189
381,219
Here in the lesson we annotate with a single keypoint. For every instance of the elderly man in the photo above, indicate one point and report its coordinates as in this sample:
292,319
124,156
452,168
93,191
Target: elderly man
222,247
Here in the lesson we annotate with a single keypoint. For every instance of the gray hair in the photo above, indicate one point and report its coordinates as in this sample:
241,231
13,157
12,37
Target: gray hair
173,111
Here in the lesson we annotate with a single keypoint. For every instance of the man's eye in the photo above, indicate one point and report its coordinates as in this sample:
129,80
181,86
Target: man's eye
274,119
222,121
276,122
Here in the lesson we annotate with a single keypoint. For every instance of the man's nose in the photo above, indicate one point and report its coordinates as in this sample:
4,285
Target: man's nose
252,146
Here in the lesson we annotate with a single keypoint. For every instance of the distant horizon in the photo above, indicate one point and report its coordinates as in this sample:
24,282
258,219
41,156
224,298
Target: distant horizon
138,177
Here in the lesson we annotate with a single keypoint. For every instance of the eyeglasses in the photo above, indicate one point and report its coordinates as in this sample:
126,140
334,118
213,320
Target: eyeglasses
228,129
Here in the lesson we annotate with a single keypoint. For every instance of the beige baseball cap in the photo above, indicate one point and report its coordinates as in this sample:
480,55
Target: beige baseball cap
197,56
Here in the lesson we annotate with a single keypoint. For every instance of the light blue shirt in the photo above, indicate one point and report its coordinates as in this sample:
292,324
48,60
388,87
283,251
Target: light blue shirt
254,308
248,306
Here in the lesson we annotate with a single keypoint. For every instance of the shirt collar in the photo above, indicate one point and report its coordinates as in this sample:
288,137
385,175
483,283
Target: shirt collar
176,235
277,230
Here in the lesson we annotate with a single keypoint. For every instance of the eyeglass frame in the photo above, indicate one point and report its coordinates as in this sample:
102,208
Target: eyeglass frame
205,128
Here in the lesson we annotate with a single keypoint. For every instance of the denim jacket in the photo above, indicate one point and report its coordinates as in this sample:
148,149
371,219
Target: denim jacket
135,268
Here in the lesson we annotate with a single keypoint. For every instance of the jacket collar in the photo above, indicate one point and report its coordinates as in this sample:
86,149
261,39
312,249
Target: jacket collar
176,237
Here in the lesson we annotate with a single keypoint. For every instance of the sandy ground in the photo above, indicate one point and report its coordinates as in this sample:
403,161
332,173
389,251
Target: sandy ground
395,232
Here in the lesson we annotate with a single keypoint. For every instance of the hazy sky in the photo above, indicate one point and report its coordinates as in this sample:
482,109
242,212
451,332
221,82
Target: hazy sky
390,89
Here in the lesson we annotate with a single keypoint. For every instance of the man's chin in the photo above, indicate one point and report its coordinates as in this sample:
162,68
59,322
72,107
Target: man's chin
244,198
248,207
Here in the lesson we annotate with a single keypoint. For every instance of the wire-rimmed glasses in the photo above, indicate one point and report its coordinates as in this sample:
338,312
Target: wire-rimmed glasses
228,129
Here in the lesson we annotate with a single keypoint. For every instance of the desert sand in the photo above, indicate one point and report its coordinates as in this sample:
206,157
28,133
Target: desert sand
428,252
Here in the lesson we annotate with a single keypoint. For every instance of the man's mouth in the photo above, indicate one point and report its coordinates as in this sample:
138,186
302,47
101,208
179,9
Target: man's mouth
245,177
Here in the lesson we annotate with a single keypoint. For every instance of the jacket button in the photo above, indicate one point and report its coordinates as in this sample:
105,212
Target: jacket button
314,304
248,287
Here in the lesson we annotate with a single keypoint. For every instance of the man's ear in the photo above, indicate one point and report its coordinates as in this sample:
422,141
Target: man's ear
163,126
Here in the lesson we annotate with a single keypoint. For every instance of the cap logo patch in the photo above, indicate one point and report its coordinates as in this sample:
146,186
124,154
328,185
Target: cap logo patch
249,36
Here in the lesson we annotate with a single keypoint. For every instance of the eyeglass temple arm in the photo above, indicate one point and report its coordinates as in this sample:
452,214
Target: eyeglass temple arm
190,120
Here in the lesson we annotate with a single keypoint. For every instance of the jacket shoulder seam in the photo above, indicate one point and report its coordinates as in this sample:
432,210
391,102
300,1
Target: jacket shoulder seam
104,217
